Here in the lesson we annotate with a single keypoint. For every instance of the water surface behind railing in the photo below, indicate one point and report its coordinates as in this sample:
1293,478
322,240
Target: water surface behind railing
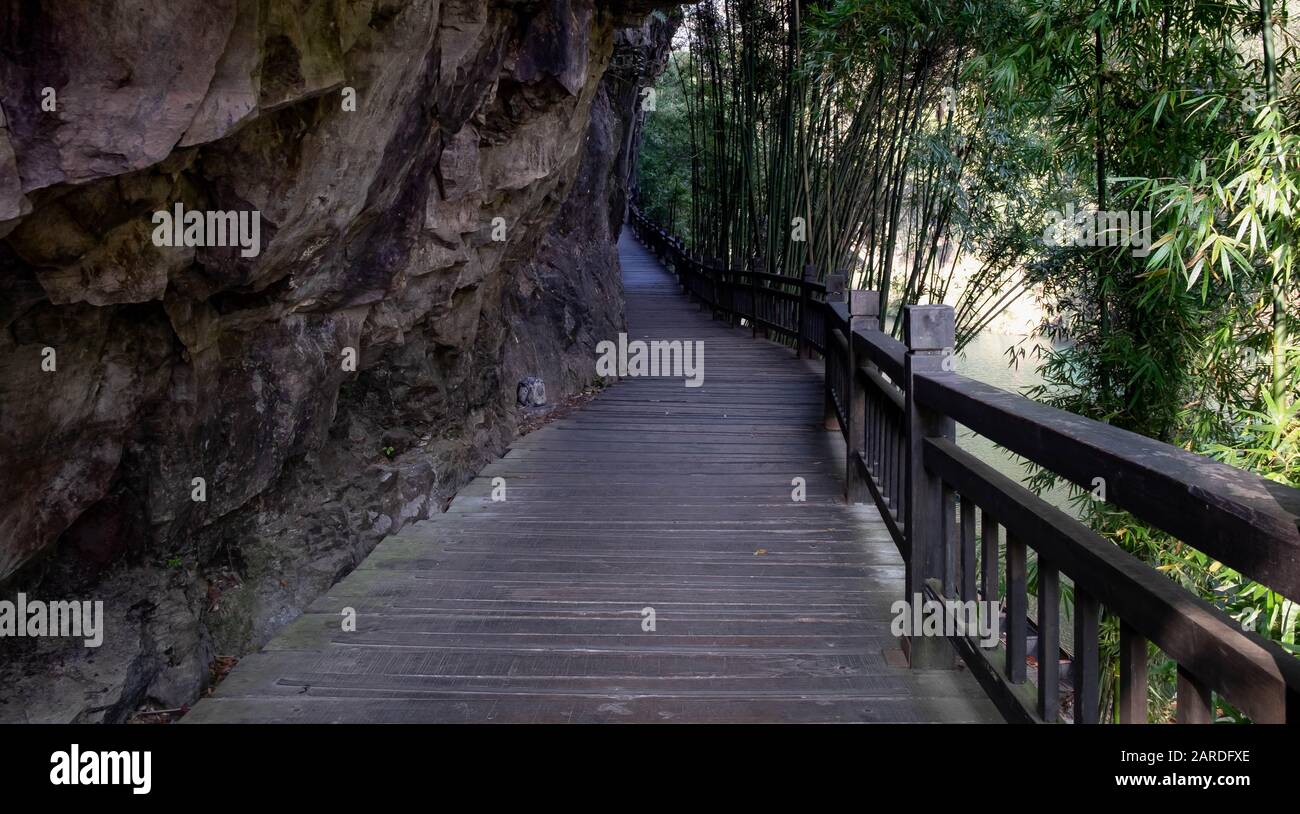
985,359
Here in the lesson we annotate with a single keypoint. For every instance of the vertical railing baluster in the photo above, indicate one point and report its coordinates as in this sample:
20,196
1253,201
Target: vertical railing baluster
889,452
900,466
968,568
1195,701
1049,639
990,557
878,461
873,420
869,454
834,364
1086,657
887,455
952,544
803,347
733,306
951,579
1017,609
882,452
1132,676
715,284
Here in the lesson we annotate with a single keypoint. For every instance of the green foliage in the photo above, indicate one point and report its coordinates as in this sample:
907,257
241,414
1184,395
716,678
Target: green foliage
1154,112
851,141
664,173
910,134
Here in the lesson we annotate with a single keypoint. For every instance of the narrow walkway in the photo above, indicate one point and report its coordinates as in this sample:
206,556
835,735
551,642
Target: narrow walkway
655,495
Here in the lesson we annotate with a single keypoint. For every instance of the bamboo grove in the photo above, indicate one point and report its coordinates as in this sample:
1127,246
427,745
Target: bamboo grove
926,147
802,153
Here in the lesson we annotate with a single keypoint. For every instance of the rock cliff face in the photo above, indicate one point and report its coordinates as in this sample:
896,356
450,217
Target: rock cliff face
207,437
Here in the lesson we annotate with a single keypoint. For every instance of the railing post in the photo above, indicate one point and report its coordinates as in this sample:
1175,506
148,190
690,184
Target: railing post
835,286
863,314
753,295
718,275
721,284
834,293
711,278
804,347
929,333
729,283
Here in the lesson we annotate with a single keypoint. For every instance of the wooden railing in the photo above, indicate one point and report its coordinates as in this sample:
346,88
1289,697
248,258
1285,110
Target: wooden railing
789,308
965,530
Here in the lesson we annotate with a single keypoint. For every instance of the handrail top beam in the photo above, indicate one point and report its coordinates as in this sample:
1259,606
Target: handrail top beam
1247,522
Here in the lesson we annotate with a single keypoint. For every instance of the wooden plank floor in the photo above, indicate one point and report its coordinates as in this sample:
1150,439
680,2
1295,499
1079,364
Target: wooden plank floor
655,495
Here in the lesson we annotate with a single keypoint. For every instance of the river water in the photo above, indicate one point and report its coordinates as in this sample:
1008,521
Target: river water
985,359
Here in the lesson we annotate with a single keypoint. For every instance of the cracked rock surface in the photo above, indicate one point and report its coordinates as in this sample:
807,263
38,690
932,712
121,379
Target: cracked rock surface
440,187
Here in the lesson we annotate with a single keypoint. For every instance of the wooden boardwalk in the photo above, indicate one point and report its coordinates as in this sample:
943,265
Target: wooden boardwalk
655,495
